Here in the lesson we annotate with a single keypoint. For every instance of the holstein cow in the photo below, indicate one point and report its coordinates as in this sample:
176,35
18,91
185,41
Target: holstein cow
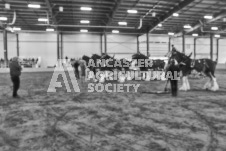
115,64
158,65
186,64
94,58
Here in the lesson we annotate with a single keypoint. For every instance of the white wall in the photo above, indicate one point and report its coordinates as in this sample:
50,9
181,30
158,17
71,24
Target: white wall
222,51
122,46
77,45
159,46
32,45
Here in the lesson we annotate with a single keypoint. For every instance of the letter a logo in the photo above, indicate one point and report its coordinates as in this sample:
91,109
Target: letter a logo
60,71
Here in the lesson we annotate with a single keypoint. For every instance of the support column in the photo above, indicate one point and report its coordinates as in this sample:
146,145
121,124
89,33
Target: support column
5,47
195,39
147,43
105,42
17,45
58,45
138,44
217,49
169,46
183,42
211,46
101,44
61,46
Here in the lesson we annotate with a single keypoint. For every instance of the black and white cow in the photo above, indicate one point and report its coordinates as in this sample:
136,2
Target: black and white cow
186,64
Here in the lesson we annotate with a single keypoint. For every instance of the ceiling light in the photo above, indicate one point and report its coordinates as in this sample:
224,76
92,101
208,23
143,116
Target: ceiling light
84,30
187,26
34,6
153,14
84,21
3,18
170,33
86,8
122,23
175,14
115,31
208,17
214,28
159,25
217,36
224,19
195,35
49,29
42,19
61,9
16,28
132,11
7,6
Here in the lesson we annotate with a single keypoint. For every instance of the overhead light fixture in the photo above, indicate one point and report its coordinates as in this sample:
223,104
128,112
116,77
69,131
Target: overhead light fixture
208,17
84,30
217,36
159,25
115,31
61,9
195,35
153,14
49,29
122,23
214,28
43,19
34,6
3,18
84,21
170,33
16,28
7,6
187,26
132,11
175,14
224,19
86,8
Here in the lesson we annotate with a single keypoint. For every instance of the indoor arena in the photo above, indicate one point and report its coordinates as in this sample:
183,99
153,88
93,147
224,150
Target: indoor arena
112,75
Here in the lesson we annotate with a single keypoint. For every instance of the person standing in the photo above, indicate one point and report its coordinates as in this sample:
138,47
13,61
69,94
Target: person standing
76,65
83,70
174,69
15,72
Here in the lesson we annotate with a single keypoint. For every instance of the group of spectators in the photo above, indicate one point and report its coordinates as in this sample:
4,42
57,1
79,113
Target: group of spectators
25,62
79,67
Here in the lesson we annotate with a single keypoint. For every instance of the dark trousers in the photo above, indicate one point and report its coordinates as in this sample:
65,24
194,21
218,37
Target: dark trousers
77,73
16,84
174,87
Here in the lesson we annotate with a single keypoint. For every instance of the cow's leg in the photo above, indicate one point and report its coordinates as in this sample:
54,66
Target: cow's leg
148,76
208,84
215,85
166,84
187,83
184,85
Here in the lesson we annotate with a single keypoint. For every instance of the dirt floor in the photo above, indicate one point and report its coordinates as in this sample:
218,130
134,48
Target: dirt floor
62,121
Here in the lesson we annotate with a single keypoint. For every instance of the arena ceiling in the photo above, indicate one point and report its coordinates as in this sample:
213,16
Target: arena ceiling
173,15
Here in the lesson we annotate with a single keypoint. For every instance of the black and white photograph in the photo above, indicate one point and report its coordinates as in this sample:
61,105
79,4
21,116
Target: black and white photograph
112,75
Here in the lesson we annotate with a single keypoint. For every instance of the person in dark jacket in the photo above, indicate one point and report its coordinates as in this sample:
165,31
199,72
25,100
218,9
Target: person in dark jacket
76,65
15,72
174,69
83,69
173,48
